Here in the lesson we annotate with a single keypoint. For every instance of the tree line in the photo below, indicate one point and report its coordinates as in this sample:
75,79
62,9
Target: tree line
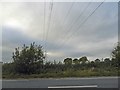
31,60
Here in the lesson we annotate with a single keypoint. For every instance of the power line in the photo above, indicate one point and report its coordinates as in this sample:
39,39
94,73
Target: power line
49,22
44,26
83,22
68,13
77,19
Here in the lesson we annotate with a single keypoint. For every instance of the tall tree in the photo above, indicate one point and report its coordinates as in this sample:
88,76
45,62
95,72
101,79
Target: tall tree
97,61
76,61
83,60
116,55
25,60
68,61
107,61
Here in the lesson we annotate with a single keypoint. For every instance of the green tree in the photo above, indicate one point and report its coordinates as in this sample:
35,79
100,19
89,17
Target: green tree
68,61
116,55
83,60
107,61
76,61
92,64
97,61
25,60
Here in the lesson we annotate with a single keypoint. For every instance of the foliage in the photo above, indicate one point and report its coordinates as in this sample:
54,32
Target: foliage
28,59
83,60
68,61
28,63
116,55
76,61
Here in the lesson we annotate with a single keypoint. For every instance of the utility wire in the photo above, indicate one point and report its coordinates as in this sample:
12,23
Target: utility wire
44,22
77,19
44,27
49,22
83,23
68,12
66,16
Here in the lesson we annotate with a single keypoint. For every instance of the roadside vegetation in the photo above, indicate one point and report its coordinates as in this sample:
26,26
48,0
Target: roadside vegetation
29,62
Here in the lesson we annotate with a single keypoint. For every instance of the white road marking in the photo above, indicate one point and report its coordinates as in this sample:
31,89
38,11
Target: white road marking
88,86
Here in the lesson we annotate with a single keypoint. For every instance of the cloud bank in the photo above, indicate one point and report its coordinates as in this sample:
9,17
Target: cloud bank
23,23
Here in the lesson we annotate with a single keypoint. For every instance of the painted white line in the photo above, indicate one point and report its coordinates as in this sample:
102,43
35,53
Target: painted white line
88,86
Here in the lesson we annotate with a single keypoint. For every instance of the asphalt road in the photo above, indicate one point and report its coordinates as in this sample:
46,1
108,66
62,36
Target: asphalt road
99,82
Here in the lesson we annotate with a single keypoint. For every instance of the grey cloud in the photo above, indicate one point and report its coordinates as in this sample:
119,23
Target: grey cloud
89,40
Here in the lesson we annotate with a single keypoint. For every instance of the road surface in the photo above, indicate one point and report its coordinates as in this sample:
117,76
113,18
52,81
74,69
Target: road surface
95,82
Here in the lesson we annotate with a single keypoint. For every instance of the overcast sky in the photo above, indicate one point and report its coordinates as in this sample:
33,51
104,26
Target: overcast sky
60,30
